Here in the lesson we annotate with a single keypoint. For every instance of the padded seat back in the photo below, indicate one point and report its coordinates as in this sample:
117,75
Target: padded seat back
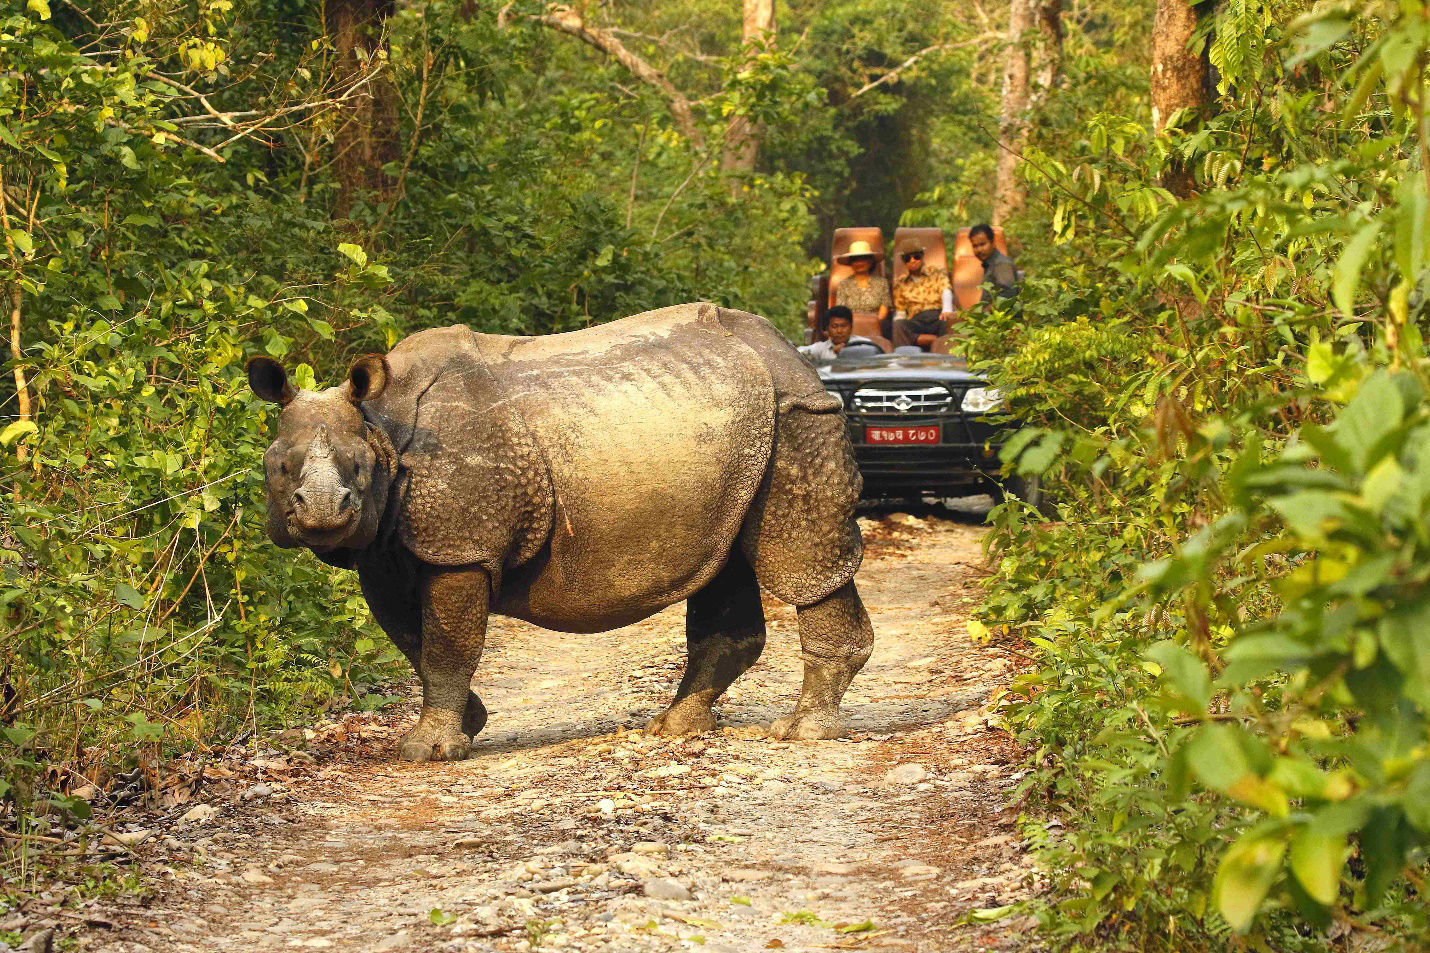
930,239
967,271
843,238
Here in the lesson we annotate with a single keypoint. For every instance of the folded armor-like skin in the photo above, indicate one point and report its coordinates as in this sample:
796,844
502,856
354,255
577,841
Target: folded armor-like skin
603,474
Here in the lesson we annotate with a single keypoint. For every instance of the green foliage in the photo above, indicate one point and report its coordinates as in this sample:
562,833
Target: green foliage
1225,400
169,197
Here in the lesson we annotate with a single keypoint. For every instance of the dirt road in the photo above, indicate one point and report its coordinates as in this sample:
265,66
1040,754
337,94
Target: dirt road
571,829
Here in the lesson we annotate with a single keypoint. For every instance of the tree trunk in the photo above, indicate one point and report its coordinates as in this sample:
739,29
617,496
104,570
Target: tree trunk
1028,55
1050,45
742,141
366,138
1179,78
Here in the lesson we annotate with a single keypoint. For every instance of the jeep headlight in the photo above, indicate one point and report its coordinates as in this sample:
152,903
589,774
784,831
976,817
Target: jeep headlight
980,400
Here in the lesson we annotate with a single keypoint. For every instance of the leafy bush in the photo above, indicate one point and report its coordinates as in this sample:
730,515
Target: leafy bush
1226,390
149,249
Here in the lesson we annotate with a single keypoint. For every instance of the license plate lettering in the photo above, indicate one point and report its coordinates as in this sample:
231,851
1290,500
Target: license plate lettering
925,434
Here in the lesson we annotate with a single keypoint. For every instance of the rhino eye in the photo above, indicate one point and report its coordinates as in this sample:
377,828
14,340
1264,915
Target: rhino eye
283,467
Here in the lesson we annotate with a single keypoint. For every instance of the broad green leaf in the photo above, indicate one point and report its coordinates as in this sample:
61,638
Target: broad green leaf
1377,409
1217,757
1410,225
22,240
15,430
354,252
1186,671
1316,863
128,595
1416,800
1404,635
1319,31
1350,266
1382,483
989,914
1245,875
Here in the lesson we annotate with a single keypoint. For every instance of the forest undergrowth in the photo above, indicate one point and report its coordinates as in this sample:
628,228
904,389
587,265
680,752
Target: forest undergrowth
1218,363
1224,393
185,185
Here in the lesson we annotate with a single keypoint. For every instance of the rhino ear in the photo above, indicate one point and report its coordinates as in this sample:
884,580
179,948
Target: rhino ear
270,381
368,378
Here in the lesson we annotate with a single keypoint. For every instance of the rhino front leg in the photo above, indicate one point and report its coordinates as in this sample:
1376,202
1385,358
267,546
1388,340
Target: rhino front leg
454,630
724,635
390,586
835,640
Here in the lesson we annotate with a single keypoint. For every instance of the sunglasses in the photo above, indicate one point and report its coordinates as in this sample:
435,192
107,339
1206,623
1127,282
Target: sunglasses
909,256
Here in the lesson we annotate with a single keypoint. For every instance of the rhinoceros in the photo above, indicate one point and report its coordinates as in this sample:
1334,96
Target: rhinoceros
582,481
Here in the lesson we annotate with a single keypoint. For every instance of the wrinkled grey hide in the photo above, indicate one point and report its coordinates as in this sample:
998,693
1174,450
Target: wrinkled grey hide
582,481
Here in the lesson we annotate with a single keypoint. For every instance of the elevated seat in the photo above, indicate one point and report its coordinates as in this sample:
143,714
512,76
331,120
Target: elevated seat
866,324
843,238
935,256
967,271
929,239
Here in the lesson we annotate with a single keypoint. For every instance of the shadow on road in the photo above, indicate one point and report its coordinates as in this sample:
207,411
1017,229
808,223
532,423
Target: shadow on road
968,510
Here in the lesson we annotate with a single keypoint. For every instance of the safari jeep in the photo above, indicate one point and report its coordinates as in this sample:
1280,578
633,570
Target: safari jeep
919,422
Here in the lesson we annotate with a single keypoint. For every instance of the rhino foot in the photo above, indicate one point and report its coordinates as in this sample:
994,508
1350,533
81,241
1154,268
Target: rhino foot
428,742
681,719
808,726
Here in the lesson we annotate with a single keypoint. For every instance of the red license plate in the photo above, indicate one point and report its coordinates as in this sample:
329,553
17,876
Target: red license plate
929,434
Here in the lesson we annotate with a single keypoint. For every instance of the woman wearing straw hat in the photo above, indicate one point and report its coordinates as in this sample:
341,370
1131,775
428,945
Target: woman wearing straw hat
863,292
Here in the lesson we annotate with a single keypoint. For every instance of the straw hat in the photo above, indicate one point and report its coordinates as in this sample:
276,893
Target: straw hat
857,250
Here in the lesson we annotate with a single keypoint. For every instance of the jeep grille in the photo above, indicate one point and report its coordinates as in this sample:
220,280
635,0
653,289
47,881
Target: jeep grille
913,401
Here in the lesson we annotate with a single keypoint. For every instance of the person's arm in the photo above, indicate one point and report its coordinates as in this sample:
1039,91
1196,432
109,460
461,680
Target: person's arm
884,308
947,299
1004,276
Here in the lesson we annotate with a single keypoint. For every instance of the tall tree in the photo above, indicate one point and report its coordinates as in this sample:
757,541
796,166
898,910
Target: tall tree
1179,78
742,139
568,20
367,136
1034,55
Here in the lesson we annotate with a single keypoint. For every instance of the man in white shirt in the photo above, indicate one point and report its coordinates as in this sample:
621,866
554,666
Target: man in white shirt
839,334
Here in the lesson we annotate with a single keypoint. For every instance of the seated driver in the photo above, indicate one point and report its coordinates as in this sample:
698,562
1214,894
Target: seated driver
839,334
925,295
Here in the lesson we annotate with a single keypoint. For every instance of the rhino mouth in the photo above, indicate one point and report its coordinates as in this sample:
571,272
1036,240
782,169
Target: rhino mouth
326,536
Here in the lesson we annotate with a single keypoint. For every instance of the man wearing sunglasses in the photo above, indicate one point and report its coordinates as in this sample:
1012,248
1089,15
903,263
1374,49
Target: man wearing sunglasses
924,294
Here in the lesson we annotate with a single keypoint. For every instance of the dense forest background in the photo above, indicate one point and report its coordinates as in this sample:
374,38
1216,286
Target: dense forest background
1218,361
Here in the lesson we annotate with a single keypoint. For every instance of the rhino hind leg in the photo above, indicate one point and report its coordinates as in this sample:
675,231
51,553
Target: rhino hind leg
724,634
835,641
